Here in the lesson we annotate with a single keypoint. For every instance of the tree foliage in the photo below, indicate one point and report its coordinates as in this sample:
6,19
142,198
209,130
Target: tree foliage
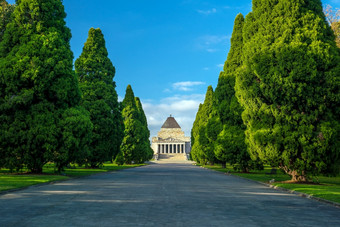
146,132
39,92
289,87
333,18
202,148
135,147
6,11
230,143
96,72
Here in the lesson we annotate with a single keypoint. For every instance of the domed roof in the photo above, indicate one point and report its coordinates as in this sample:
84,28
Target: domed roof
171,123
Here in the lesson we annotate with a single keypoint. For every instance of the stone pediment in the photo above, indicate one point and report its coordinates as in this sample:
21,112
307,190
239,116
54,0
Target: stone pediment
170,140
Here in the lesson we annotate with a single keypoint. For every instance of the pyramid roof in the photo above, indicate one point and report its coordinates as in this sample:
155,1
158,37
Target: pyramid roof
171,123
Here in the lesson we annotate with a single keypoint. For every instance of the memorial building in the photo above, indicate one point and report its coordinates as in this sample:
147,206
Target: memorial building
171,139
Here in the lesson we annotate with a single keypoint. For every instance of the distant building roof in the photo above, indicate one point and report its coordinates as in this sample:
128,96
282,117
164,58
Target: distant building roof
171,123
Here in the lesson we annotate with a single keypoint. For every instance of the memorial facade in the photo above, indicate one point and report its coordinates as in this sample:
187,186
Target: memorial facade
171,139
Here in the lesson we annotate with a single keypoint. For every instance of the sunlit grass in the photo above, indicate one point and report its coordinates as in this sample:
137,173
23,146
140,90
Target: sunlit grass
23,179
14,181
322,187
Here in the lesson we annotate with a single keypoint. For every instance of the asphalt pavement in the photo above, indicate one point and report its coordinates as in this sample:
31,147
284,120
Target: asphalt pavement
161,195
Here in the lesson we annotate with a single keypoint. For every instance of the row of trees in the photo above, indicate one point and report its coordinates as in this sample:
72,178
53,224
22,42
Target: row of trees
277,99
48,111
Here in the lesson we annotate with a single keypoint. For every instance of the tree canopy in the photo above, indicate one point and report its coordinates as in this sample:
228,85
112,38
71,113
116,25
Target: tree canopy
39,93
289,87
202,149
95,72
135,147
230,144
333,18
6,11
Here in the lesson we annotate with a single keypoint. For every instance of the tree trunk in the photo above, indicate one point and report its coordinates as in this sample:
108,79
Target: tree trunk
37,170
224,165
296,176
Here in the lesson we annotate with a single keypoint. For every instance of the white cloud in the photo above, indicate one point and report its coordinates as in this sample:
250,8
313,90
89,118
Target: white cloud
211,43
220,65
210,50
207,12
245,7
186,85
182,107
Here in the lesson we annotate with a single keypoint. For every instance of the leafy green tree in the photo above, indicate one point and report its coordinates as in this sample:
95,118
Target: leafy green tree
133,146
289,87
230,144
194,134
212,130
96,72
333,18
146,131
202,149
6,11
39,93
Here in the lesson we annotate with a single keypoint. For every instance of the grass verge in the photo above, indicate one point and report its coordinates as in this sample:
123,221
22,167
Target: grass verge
10,181
327,188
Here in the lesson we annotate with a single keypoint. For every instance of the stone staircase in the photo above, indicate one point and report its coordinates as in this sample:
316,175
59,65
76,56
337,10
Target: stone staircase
172,158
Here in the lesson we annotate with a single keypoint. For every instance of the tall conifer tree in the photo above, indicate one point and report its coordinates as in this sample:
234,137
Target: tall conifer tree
231,145
289,87
146,133
40,117
201,148
133,147
6,11
194,132
96,72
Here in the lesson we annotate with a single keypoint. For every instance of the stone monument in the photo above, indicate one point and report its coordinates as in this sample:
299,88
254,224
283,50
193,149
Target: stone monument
171,140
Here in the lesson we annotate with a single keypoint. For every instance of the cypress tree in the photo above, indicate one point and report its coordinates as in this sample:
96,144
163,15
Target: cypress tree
231,145
289,87
146,132
194,133
39,91
212,130
201,148
133,146
6,11
96,72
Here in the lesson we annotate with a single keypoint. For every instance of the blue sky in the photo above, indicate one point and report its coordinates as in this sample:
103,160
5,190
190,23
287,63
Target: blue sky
169,50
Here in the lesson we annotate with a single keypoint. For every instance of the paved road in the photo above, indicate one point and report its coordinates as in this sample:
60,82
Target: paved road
161,195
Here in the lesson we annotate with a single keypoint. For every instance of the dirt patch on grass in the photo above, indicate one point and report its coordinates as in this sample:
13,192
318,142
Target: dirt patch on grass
298,182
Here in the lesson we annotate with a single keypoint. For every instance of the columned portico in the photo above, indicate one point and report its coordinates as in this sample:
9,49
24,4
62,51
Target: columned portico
171,148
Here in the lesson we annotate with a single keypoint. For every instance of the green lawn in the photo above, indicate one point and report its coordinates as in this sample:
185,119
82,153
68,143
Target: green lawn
10,181
14,181
327,188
